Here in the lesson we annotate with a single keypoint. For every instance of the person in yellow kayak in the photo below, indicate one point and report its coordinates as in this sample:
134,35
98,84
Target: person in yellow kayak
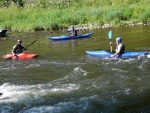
18,48
120,47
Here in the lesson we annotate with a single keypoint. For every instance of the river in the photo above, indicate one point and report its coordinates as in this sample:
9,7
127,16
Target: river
64,79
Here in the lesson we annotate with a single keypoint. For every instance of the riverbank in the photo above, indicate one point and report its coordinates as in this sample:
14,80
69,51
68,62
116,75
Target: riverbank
84,15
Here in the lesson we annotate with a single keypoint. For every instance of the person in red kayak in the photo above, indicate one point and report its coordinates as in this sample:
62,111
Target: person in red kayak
18,48
120,47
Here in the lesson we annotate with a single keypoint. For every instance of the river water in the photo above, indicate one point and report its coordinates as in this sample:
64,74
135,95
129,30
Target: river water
64,79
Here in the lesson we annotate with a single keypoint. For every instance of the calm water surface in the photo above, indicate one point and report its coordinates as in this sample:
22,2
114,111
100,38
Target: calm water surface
64,79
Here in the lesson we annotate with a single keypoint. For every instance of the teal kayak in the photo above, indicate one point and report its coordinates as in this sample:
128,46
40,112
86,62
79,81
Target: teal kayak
70,37
106,54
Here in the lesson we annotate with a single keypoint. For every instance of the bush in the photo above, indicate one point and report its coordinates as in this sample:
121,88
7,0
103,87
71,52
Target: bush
145,16
113,15
126,13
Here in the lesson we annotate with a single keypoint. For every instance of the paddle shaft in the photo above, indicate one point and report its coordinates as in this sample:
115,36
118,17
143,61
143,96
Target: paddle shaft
30,44
110,46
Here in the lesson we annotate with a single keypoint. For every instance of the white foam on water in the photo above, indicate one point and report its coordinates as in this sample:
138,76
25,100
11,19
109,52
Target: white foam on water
59,62
57,108
28,94
141,56
143,63
32,66
75,75
148,56
73,105
6,68
80,71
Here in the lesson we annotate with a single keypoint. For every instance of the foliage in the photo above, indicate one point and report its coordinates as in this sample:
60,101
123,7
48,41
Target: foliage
145,17
59,14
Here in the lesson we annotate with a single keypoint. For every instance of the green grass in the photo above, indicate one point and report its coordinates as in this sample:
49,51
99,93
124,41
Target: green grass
54,16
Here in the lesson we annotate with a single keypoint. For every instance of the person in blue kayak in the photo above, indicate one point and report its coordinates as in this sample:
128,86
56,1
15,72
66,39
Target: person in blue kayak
73,31
18,48
120,47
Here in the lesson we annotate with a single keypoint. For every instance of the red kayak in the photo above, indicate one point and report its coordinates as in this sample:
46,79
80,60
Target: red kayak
24,55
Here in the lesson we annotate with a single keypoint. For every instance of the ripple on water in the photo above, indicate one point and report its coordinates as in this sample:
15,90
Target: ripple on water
72,105
115,82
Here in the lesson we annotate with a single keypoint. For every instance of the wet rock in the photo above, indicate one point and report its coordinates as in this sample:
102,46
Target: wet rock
3,32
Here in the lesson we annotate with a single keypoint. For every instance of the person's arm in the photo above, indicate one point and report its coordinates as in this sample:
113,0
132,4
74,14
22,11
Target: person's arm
113,43
117,52
13,50
114,54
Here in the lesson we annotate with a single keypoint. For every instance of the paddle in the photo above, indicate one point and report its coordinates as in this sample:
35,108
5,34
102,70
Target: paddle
110,37
30,44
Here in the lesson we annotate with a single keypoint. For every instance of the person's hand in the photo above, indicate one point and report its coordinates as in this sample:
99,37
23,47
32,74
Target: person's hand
111,43
112,55
15,55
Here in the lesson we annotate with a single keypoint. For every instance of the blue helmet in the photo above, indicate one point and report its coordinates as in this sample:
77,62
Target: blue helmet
119,39
72,26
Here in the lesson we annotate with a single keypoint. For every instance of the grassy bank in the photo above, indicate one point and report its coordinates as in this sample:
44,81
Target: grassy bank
78,12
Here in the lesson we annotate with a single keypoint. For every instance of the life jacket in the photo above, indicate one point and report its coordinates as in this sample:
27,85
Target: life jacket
18,49
74,32
121,46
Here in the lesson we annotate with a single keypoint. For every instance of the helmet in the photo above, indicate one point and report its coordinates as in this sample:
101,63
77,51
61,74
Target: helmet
72,26
119,39
19,41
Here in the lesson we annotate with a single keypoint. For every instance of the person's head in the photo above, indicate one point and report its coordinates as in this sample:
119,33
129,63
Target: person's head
19,42
72,27
118,40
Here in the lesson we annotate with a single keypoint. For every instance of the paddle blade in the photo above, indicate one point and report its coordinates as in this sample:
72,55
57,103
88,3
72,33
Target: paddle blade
110,34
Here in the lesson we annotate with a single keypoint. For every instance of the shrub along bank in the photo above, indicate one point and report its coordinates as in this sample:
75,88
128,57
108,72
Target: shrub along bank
60,14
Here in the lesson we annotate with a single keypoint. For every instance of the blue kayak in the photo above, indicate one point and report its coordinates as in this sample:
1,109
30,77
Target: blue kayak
70,37
106,54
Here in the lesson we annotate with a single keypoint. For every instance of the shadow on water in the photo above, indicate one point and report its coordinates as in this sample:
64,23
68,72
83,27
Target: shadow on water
65,79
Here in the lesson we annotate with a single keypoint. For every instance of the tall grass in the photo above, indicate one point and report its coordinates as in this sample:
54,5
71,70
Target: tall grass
54,16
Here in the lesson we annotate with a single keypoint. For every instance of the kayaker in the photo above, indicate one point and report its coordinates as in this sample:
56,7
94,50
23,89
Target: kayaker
18,48
73,31
120,47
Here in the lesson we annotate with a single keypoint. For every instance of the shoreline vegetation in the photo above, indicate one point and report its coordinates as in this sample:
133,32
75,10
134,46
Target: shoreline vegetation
33,15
